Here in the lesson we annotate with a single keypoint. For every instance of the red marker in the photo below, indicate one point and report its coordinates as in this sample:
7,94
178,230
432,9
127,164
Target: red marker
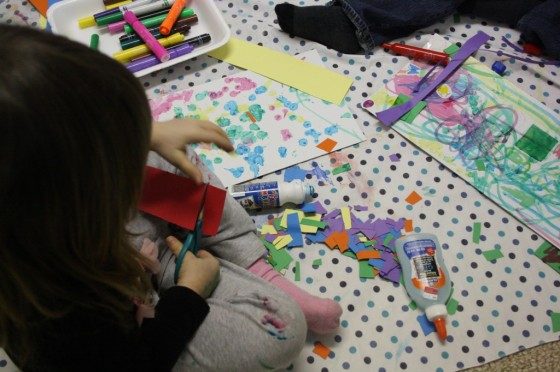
418,53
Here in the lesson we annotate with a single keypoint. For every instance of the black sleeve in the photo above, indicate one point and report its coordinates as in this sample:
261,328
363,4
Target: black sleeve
179,313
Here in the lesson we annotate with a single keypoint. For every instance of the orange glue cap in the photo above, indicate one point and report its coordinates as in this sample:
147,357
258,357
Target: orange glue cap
440,328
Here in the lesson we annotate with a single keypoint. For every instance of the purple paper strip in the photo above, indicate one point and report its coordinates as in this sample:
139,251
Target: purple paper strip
332,214
390,116
394,157
393,275
499,53
360,208
512,45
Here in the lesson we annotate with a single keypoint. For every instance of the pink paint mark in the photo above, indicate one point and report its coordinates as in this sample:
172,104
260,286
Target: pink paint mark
368,103
242,84
218,94
557,152
273,321
164,106
271,107
286,134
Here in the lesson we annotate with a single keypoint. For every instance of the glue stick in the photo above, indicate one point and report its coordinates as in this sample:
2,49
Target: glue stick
254,196
426,278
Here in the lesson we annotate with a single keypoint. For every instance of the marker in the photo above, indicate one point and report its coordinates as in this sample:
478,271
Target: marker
94,41
144,34
172,16
149,61
129,41
141,50
122,8
418,53
137,10
157,20
115,28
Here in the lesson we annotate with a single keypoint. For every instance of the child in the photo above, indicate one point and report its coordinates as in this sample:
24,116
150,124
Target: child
76,131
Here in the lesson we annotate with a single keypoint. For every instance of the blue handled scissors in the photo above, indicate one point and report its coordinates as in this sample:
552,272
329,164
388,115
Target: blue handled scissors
192,243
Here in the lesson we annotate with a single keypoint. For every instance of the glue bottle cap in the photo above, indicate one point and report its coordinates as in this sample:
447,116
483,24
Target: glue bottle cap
440,328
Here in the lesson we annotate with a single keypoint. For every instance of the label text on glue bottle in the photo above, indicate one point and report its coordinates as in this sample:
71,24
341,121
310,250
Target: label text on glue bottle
257,196
422,253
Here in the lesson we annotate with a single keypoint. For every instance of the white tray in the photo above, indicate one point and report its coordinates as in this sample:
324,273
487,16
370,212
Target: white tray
63,19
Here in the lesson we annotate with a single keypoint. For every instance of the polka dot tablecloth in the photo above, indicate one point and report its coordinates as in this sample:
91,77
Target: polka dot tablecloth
504,305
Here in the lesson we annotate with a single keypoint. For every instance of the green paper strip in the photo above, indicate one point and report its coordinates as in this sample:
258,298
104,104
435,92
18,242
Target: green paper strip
310,222
493,254
412,305
451,50
298,272
276,224
279,259
350,254
366,271
549,255
341,169
452,306
318,262
401,98
414,112
476,232
368,243
555,317
387,239
542,249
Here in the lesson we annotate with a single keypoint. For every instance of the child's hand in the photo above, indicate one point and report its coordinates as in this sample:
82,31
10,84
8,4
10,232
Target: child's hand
201,273
169,139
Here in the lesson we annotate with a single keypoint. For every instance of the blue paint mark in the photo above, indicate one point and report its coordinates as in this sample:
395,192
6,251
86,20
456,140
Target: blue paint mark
313,133
302,142
231,106
236,172
242,149
207,161
289,105
413,69
294,173
260,89
282,151
223,122
255,159
318,172
331,129
307,124
252,97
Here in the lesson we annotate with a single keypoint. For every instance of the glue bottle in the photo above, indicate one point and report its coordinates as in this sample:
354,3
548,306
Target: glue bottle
254,196
426,278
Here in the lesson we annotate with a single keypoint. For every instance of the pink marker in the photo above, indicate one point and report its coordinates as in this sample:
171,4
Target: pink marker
144,34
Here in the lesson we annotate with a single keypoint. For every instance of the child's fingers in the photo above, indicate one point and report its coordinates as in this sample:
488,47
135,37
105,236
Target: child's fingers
179,159
203,254
174,244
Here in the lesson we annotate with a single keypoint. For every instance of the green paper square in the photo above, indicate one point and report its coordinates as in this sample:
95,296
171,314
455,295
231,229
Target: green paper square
318,262
476,232
414,112
493,254
366,271
452,306
536,143
451,50
555,317
297,273
343,168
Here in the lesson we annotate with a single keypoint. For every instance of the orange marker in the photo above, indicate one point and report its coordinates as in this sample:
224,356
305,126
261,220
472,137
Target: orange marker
172,16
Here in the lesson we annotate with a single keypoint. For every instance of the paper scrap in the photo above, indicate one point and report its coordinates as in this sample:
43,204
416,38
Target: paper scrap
297,274
287,212
317,262
314,221
321,350
345,212
366,271
452,306
555,317
294,231
282,241
286,69
412,305
427,326
476,232
360,208
341,169
452,49
493,254
368,254
414,112
268,229
394,157
413,198
408,225
327,145
213,208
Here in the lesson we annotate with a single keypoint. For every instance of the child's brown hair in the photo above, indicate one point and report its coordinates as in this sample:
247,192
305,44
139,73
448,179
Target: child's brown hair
74,135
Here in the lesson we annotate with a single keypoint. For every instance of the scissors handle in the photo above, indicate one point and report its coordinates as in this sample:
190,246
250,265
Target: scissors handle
192,243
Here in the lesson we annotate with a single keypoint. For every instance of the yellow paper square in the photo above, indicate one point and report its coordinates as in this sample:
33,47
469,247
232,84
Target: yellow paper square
345,212
307,229
268,229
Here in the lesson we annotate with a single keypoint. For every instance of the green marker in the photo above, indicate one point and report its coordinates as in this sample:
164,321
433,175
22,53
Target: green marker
158,20
94,41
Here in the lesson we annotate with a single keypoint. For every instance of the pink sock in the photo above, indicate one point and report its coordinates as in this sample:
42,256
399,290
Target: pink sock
322,315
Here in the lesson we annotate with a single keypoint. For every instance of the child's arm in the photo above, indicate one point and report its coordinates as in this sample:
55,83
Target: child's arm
169,139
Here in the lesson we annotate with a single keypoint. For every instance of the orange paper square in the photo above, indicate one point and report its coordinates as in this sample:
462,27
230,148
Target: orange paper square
321,350
366,255
408,225
342,240
331,240
413,198
327,145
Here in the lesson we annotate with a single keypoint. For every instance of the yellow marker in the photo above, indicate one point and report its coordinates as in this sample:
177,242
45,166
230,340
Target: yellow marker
141,50
86,22
112,6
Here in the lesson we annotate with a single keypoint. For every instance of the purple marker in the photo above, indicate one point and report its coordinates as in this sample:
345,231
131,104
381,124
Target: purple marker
151,60
178,50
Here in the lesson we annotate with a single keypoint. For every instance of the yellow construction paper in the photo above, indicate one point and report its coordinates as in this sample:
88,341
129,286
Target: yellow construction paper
363,239
345,212
308,229
282,241
268,229
286,69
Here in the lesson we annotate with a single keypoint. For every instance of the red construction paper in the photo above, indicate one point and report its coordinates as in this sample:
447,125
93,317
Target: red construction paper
172,198
213,209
